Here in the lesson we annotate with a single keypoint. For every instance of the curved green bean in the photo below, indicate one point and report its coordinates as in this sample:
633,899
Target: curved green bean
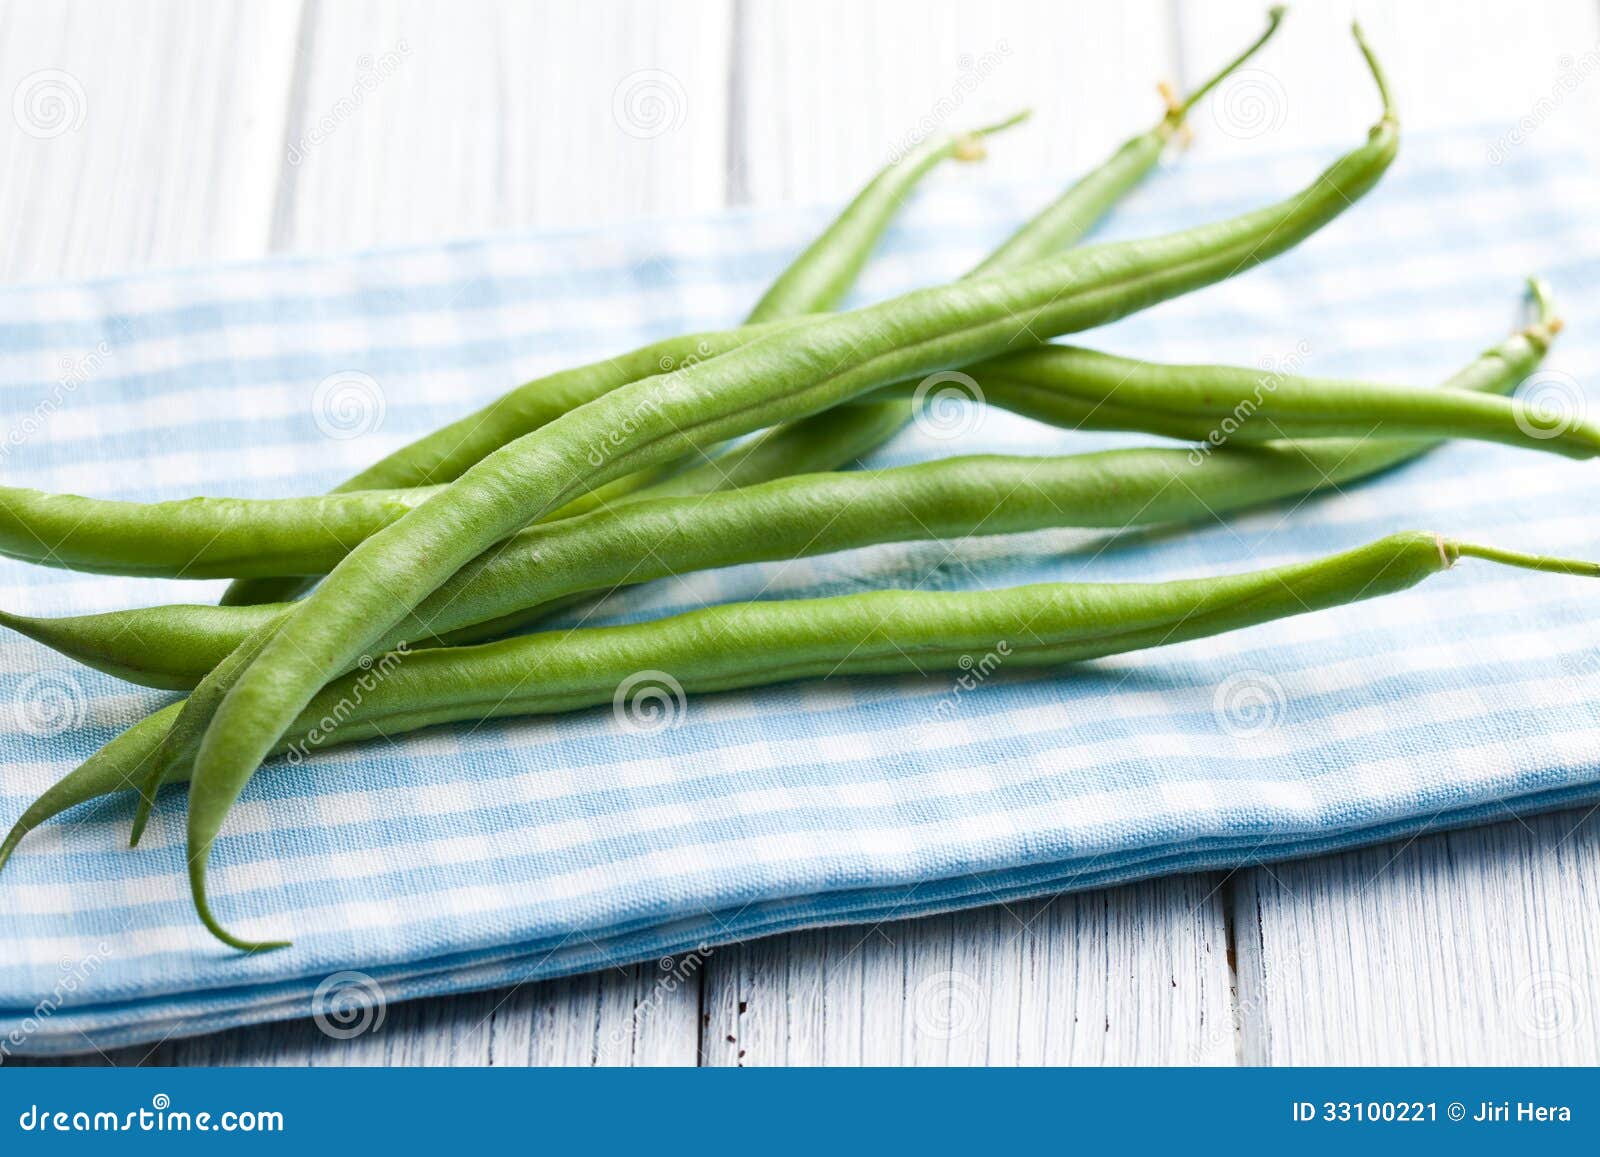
198,538
1067,220
744,645
820,277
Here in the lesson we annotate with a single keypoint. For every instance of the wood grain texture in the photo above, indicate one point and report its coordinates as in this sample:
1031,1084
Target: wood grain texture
1450,65
418,121
1471,947
202,130
1130,975
139,135
823,107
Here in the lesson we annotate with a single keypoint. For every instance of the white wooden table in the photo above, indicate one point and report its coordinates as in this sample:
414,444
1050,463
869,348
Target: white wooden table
197,130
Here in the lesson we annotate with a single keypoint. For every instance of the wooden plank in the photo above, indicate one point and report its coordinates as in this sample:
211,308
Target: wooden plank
421,121
1473,947
140,134
832,89
1131,975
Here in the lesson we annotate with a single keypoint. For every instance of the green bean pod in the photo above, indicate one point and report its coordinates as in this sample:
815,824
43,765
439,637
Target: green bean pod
1070,217
743,645
1081,389
820,277
198,538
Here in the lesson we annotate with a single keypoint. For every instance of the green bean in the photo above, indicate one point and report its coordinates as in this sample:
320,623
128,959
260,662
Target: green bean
819,279
1081,389
197,537
745,645
800,371
1080,208
170,647
519,579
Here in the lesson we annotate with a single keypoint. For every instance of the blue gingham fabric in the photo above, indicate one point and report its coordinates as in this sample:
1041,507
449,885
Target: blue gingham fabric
470,857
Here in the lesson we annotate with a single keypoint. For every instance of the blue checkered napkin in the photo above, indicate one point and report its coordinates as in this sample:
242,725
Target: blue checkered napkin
469,857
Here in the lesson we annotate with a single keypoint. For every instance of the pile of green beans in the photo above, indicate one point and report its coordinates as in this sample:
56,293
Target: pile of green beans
1065,386
740,645
517,581
817,281
622,472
